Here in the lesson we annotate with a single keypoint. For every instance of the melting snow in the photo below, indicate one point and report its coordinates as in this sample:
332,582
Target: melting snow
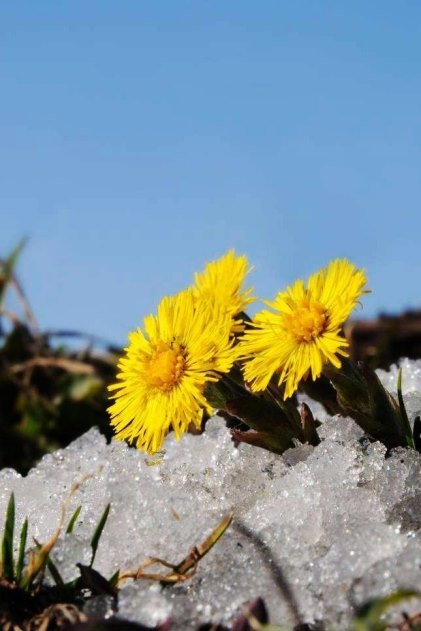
339,522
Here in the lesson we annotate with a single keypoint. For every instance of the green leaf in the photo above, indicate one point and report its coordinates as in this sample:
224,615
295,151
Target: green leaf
72,521
21,552
363,397
217,394
385,408
274,427
7,544
369,616
98,532
322,391
350,386
405,420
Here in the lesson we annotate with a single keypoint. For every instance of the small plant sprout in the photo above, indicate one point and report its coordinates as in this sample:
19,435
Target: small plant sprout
38,559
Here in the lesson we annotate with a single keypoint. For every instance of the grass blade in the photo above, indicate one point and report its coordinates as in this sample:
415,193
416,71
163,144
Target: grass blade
7,543
55,573
72,521
7,268
417,433
51,566
37,562
370,616
98,532
21,552
406,424
113,581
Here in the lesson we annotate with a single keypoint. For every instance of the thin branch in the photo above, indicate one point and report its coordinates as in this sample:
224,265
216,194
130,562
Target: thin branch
24,302
70,365
187,568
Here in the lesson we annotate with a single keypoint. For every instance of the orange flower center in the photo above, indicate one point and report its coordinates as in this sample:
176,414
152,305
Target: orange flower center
308,320
166,367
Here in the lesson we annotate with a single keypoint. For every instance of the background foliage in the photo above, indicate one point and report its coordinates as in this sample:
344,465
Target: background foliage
50,392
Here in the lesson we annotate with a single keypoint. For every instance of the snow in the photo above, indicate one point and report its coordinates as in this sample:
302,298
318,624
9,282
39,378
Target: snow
334,525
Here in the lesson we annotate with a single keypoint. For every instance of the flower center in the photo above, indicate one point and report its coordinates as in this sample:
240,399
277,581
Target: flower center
166,367
307,321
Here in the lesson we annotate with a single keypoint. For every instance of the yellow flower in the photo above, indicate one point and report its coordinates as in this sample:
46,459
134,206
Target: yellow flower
220,285
304,331
165,369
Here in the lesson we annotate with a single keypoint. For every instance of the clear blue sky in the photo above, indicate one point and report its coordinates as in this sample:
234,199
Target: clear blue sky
140,139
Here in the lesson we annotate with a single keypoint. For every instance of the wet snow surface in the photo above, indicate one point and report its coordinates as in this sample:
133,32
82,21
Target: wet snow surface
339,521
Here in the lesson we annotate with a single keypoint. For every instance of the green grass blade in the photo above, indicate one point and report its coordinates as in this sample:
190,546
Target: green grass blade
404,415
113,581
72,521
8,266
370,616
21,552
55,573
417,433
98,532
51,566
7,543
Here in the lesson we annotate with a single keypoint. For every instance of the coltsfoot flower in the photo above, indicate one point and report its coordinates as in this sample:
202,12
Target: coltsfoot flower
220,285
303,331
165,369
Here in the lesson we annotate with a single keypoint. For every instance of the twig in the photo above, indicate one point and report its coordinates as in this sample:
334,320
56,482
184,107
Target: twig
24,302
187,568
70,365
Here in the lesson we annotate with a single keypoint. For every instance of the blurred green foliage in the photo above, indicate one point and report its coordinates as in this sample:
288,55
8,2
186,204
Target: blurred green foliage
50,392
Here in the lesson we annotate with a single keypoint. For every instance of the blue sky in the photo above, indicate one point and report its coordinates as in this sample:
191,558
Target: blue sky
140,139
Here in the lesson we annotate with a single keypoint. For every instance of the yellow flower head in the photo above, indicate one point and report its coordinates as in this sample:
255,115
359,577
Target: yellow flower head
304,331
165,369
220,285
